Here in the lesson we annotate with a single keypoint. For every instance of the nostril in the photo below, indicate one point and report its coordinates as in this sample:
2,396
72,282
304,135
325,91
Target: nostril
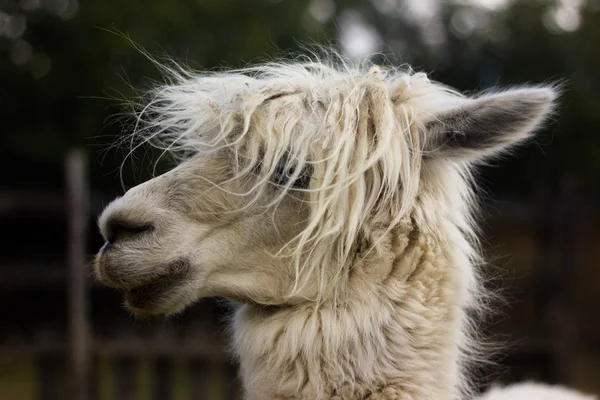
119,230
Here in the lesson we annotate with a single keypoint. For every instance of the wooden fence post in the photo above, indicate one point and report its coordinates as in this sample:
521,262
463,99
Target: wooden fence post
48,369
126,373
199,378
77,212
233,387
163,379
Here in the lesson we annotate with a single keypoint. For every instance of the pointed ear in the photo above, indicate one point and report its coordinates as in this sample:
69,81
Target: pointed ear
486,125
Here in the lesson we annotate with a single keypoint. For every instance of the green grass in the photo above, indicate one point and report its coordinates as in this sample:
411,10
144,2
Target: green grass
18,381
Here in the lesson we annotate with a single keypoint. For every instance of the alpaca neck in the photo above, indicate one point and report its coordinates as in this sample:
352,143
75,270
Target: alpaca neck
396,337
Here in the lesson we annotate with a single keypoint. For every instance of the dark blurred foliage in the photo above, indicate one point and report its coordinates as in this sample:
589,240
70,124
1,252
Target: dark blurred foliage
517,46
65,65
63,74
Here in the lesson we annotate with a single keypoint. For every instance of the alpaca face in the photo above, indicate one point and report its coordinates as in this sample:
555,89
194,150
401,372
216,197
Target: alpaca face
297,173
189,234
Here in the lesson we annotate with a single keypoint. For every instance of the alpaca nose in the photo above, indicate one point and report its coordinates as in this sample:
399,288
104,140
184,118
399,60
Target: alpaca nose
119,229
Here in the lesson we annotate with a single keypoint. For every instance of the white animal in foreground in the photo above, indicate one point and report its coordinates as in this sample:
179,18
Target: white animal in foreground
535,391
337,205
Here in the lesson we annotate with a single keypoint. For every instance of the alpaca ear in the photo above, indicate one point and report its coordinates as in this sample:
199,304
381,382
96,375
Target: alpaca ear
487,125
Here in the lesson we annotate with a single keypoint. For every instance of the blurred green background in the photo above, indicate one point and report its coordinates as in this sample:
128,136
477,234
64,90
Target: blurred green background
66,66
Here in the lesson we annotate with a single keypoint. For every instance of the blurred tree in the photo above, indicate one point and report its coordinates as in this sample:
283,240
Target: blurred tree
61,62
473,45
62,71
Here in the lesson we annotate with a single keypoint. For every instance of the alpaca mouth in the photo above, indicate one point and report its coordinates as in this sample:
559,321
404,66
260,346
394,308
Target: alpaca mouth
154,298
150,295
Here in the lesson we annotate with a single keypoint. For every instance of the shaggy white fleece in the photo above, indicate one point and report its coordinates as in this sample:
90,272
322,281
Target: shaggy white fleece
535,391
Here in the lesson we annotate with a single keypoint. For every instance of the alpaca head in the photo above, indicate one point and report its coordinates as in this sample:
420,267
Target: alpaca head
291,174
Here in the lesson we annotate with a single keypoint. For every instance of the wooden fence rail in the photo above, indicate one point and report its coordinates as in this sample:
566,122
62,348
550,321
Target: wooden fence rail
124,379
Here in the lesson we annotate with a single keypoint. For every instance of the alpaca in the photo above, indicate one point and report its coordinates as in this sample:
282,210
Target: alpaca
535,391
334,205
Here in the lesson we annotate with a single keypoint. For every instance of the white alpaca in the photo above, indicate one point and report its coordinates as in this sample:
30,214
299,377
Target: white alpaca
535,391
335,204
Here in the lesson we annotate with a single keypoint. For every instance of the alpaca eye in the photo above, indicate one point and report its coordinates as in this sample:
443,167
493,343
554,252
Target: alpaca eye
282,176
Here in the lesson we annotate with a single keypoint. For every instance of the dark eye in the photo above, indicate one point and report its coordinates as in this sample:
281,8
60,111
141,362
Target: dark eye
282,176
